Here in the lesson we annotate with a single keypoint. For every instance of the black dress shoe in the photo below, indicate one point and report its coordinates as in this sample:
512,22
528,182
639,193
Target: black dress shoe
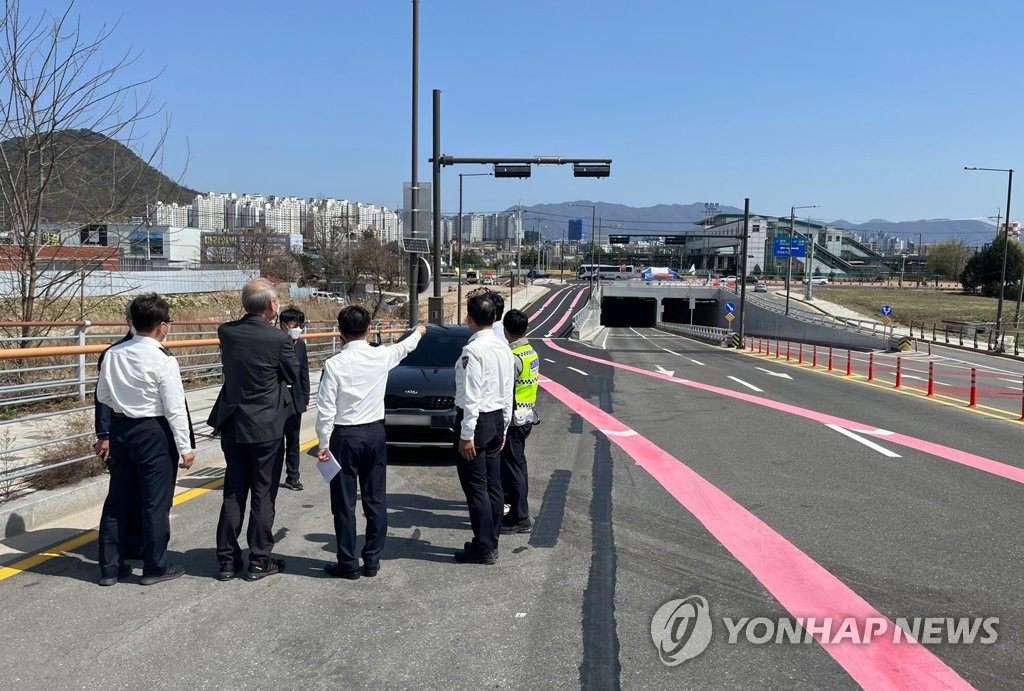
465,556
273,566
370,571
228,573
339,571
293,485
173,571
123,571
523,526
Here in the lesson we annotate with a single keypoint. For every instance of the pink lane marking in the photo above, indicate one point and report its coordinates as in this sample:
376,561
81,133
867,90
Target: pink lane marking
549,301
800,584
567,313
965,458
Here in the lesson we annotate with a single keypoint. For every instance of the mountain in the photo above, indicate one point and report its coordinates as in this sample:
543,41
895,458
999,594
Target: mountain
551,219
96,178
929,231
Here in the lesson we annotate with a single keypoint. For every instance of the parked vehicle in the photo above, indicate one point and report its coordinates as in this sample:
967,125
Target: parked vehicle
324,295
761,287
419,401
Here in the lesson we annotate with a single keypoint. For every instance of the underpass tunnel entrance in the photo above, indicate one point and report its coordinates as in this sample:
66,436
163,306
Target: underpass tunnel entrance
677,311
638,312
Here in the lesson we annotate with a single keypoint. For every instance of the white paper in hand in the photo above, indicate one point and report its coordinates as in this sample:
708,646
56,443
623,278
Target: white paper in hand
329,468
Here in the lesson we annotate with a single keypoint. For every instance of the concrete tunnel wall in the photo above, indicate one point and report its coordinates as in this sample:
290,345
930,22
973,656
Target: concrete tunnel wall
647,305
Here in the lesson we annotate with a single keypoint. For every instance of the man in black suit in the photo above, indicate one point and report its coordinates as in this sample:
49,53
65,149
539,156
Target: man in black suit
250,413
291,322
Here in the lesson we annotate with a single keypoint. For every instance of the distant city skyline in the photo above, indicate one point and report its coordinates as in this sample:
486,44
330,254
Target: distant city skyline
868,110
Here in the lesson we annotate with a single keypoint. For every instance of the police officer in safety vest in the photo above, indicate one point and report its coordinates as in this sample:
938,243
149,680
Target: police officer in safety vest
514,479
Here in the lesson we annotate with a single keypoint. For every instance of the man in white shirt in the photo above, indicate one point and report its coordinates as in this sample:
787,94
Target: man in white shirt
484,378
149,432
350,423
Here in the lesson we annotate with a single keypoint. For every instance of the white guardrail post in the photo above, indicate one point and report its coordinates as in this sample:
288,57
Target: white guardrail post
80,332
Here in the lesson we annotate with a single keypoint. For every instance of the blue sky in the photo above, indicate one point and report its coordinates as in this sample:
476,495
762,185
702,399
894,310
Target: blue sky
869,109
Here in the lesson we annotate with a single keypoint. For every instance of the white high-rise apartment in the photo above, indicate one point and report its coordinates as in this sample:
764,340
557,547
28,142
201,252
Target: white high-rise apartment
171,214
208,211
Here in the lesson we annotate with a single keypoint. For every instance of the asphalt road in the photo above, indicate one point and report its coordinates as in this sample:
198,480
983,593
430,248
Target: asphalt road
662,469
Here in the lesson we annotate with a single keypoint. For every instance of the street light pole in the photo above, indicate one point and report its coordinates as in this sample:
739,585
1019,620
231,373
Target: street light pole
808,293
1006,243
458,308
593,229
789,262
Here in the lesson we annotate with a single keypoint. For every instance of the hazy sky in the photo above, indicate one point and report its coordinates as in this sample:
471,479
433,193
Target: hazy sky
869,109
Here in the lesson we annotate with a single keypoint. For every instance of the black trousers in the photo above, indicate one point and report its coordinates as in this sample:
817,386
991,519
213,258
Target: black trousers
143,470
251,469
481,481
514,480
291,447
362,453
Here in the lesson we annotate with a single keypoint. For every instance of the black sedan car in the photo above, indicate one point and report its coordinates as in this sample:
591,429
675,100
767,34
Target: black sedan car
419,402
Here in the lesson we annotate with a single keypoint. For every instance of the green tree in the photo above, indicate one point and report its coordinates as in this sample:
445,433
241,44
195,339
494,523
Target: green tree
983,270
948,258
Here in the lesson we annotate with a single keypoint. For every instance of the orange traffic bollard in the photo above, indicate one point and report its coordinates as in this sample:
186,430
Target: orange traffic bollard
871,366
974,388
849,363
931,378
830,358
899,373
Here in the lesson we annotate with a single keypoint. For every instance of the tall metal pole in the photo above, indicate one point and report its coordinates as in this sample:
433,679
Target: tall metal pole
414,191
1020,288
808,294
436,189
561,264
789,262
742,278
458,308
593,247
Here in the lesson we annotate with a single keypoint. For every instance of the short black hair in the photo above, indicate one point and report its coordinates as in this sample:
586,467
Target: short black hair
353,321
499,304
515,323
480,309
149,311
292,315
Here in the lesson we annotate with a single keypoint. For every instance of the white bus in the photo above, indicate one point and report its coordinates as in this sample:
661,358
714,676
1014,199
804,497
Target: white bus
606,271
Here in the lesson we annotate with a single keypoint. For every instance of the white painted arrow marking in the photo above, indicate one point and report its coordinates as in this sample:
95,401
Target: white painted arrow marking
662,370
774,374
746,384
866,442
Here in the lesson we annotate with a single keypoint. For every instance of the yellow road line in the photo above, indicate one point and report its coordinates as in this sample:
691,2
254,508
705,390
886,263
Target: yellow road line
88,536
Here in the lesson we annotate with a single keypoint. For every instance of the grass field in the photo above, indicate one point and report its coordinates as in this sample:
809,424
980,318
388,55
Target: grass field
914,304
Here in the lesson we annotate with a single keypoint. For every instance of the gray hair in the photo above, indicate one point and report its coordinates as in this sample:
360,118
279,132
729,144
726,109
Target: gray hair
257,296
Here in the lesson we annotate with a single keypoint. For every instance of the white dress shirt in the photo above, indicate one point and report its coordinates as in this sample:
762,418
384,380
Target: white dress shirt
353,382
139,379
484,379
499,330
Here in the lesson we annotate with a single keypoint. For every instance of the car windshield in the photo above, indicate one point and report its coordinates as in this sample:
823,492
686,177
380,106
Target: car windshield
438,348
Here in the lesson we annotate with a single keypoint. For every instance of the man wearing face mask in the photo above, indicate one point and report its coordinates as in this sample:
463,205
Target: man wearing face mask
249,415
291,322
149,431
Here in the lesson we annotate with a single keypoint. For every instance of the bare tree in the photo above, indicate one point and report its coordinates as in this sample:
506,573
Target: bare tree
384,265
67,110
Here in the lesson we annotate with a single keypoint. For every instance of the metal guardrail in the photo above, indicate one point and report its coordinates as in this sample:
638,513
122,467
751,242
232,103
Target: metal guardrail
713,334
798,312
966,335
18,462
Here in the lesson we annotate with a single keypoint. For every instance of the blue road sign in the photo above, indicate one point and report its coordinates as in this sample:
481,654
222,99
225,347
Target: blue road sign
886,310
730,307
790,246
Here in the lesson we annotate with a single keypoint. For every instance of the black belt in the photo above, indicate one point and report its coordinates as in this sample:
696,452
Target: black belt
460,411
362,424
129,417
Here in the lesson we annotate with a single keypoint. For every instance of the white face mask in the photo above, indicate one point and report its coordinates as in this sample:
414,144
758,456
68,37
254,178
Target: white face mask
295,332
